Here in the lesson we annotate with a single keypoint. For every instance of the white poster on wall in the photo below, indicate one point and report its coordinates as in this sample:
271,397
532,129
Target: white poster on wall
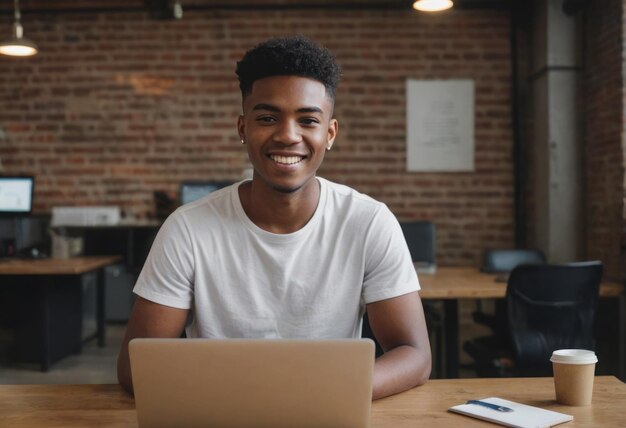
440,125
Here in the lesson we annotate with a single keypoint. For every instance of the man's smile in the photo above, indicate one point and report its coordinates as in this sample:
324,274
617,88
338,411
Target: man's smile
287,160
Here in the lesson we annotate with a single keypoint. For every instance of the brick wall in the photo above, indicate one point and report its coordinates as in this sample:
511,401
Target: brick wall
604,129
621,254
117,105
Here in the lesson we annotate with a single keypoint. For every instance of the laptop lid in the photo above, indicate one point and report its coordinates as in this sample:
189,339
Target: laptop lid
252,383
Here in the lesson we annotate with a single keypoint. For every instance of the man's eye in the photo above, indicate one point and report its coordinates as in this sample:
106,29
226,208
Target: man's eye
266,119
309,121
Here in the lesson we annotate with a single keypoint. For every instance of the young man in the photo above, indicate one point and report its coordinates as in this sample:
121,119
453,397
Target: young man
286,254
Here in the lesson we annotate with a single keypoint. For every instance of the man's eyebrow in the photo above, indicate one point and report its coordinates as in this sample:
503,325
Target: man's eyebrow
268,107
275,109
310,110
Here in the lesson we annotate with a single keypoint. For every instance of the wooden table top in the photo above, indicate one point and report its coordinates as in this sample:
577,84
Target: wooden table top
426,405
124,224
470,283
68,406
73,266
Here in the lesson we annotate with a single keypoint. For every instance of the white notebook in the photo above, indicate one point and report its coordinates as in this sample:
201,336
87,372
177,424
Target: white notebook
522,416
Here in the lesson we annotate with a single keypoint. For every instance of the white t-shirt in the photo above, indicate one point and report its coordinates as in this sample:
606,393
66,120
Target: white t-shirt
244,282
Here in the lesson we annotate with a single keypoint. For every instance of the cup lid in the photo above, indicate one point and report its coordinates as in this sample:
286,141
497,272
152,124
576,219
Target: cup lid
574,356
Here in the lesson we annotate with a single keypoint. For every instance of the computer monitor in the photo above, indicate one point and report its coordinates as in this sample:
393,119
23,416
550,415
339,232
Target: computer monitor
192,190
16,195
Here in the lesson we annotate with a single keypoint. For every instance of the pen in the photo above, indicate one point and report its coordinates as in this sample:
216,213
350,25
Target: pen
490,406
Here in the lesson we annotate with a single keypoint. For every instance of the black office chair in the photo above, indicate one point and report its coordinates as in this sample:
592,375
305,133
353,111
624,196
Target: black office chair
502,262
549,307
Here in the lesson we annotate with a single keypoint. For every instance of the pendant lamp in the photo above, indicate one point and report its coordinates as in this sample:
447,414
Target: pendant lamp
432,5
18,45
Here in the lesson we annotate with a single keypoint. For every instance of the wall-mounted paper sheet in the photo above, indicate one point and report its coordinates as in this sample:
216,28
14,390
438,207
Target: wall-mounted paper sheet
440,125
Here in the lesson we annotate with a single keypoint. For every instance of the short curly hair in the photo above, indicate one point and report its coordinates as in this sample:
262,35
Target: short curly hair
288,56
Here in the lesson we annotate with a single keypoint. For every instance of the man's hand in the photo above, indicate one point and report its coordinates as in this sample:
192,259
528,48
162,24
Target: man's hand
148,319
400,328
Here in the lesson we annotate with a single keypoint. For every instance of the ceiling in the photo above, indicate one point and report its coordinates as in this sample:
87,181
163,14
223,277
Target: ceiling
120,5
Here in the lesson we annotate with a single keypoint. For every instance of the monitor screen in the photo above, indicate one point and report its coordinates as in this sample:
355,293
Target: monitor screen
192,190
16,195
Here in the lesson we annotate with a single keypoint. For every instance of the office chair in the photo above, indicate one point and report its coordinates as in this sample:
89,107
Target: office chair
549,307
502,262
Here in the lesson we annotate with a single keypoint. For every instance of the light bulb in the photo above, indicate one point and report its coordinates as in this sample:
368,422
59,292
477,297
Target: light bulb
432,5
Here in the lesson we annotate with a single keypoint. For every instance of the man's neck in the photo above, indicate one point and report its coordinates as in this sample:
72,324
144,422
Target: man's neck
279,212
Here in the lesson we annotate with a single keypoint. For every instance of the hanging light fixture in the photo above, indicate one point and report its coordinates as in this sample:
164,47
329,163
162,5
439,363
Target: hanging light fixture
432,5
177,10
18,45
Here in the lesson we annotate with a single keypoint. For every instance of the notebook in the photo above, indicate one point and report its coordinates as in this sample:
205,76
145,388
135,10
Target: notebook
522,416
245,383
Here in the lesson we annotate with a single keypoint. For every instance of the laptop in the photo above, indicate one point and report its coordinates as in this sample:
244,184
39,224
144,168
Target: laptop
252,383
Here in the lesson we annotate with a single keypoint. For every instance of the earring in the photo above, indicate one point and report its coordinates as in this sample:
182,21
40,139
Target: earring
328,148
243,141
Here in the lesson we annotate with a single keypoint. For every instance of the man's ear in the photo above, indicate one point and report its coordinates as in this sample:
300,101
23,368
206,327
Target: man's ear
333,128
241,128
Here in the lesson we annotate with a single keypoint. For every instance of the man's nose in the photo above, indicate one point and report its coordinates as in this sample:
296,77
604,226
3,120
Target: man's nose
287,132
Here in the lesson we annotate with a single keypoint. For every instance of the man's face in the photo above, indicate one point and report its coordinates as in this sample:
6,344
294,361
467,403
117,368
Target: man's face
287,127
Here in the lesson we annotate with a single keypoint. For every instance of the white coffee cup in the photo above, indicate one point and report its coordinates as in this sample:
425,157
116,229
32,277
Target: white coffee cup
574,371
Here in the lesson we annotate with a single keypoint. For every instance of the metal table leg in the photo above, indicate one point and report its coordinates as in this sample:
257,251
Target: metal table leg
100,309
451,331
621,352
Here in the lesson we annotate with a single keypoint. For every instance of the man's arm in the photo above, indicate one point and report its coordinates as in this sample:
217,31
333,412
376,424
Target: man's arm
400,328
148,319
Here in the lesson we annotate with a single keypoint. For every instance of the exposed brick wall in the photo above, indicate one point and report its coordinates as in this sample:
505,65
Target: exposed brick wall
604,133
117,105
620,261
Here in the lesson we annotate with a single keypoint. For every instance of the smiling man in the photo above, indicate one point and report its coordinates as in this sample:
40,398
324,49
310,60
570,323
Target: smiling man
286,254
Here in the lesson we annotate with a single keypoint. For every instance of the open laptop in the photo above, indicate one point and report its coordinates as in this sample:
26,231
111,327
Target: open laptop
252,383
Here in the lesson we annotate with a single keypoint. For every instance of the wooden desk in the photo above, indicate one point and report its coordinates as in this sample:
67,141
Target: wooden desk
452,283
130,239
470,283
426,405
69,406
73,266
46,299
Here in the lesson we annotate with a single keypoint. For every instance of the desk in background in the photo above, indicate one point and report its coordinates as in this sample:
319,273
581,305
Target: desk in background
69,406
132,240
453,283
45,298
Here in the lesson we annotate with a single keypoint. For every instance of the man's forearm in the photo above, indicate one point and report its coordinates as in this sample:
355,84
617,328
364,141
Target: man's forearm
147,319
400,369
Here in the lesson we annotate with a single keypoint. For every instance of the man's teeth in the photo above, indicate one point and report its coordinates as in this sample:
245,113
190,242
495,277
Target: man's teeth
288,160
